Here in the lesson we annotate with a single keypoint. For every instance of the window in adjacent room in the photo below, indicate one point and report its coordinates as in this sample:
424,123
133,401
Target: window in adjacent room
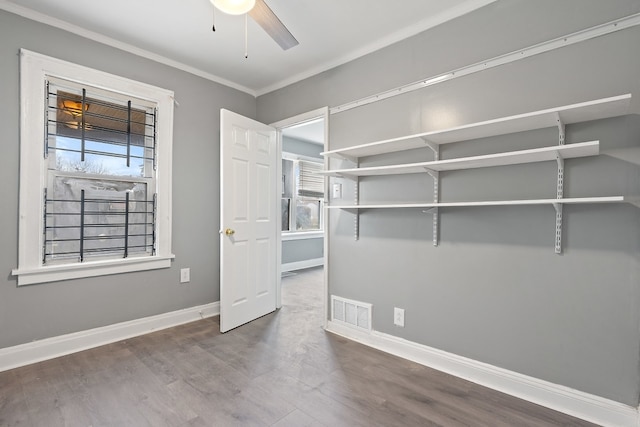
302,195
95,195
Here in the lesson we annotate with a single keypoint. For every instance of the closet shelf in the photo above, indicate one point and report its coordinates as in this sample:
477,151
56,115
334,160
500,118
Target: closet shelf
552,202
574,113
581,149
557,117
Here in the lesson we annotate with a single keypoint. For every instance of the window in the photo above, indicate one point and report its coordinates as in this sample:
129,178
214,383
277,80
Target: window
95,194
302,195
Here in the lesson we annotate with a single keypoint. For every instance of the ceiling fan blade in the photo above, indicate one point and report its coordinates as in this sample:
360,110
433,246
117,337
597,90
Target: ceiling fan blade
264,16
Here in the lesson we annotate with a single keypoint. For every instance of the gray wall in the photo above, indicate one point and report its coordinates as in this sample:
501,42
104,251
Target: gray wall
307,249
494,290
302,250
34,312
303,148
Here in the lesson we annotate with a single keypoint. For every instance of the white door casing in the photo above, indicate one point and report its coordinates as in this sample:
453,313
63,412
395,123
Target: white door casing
248,219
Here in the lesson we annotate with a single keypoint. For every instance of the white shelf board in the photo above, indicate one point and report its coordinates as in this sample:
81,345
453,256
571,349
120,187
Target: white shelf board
581,149
574,113
577,200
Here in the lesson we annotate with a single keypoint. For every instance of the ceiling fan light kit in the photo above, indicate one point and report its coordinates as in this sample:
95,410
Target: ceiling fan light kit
262,15
234,7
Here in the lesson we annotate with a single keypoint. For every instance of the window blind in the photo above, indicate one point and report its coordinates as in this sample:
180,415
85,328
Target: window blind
100,197
310,183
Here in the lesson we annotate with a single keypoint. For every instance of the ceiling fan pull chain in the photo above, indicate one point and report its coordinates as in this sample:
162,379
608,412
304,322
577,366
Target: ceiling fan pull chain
246,35
213,19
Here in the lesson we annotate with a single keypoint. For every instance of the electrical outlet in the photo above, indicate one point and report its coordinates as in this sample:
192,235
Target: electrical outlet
398,316
185,275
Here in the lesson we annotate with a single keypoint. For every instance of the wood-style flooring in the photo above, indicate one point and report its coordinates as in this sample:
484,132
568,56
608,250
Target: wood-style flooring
281,370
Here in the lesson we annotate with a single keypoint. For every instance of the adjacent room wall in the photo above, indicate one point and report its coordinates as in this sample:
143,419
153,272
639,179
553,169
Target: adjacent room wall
40,311
303,148
493,290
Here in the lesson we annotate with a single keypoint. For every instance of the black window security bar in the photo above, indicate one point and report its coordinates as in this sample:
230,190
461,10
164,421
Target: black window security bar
98,227
110,123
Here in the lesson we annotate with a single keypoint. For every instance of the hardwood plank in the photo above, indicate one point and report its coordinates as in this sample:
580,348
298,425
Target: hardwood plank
13,403
298,418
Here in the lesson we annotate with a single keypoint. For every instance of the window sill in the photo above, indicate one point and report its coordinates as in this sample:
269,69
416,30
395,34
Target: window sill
302,235
56,273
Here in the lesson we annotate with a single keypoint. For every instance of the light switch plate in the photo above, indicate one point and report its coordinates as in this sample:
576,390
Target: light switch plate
336,192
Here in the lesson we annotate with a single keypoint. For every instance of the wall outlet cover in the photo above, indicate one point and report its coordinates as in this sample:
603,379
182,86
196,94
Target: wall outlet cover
398,316
185,275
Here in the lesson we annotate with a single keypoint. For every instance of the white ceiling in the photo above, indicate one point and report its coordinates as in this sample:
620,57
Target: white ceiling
310,132
330,32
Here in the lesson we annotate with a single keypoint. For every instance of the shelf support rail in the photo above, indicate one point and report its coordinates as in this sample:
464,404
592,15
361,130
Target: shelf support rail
356,200
559,186
356,218
436,193
436,189
558,206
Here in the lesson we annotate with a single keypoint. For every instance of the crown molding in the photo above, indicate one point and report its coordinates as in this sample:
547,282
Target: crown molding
405,33
100,38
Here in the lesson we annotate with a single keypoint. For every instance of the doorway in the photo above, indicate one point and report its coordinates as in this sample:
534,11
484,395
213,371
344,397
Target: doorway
251,224
303,225
302,203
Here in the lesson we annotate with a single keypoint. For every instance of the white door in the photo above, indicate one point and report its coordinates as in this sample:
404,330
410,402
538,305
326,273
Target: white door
248,219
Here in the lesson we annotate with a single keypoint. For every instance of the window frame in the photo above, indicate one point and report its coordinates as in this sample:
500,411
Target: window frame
35,68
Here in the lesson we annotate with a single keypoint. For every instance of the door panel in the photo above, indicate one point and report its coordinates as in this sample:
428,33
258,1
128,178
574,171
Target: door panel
240,196
248,220
264,190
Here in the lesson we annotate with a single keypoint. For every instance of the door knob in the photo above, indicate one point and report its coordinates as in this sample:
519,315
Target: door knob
229,232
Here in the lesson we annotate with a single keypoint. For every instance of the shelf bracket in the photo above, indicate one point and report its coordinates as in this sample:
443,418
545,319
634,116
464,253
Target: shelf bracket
434,147
558,206
560,129
436,190
436,187
352,159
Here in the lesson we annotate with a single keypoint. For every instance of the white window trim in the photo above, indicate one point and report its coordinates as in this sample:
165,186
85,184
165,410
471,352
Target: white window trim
298,234
34,69
302,235
292,156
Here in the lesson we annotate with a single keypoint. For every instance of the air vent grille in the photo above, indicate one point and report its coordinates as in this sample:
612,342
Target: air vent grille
352,313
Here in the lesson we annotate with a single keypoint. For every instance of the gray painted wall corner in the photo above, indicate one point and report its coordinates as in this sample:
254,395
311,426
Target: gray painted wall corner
36,312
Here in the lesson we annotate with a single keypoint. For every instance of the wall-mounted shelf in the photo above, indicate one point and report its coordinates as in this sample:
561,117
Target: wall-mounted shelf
552,117
574,113
550,202
582,149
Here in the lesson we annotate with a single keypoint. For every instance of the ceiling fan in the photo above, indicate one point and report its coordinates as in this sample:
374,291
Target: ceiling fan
263,15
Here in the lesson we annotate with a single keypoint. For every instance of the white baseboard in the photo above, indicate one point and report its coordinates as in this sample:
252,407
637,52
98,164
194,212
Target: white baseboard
49,348
579,404
299,265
